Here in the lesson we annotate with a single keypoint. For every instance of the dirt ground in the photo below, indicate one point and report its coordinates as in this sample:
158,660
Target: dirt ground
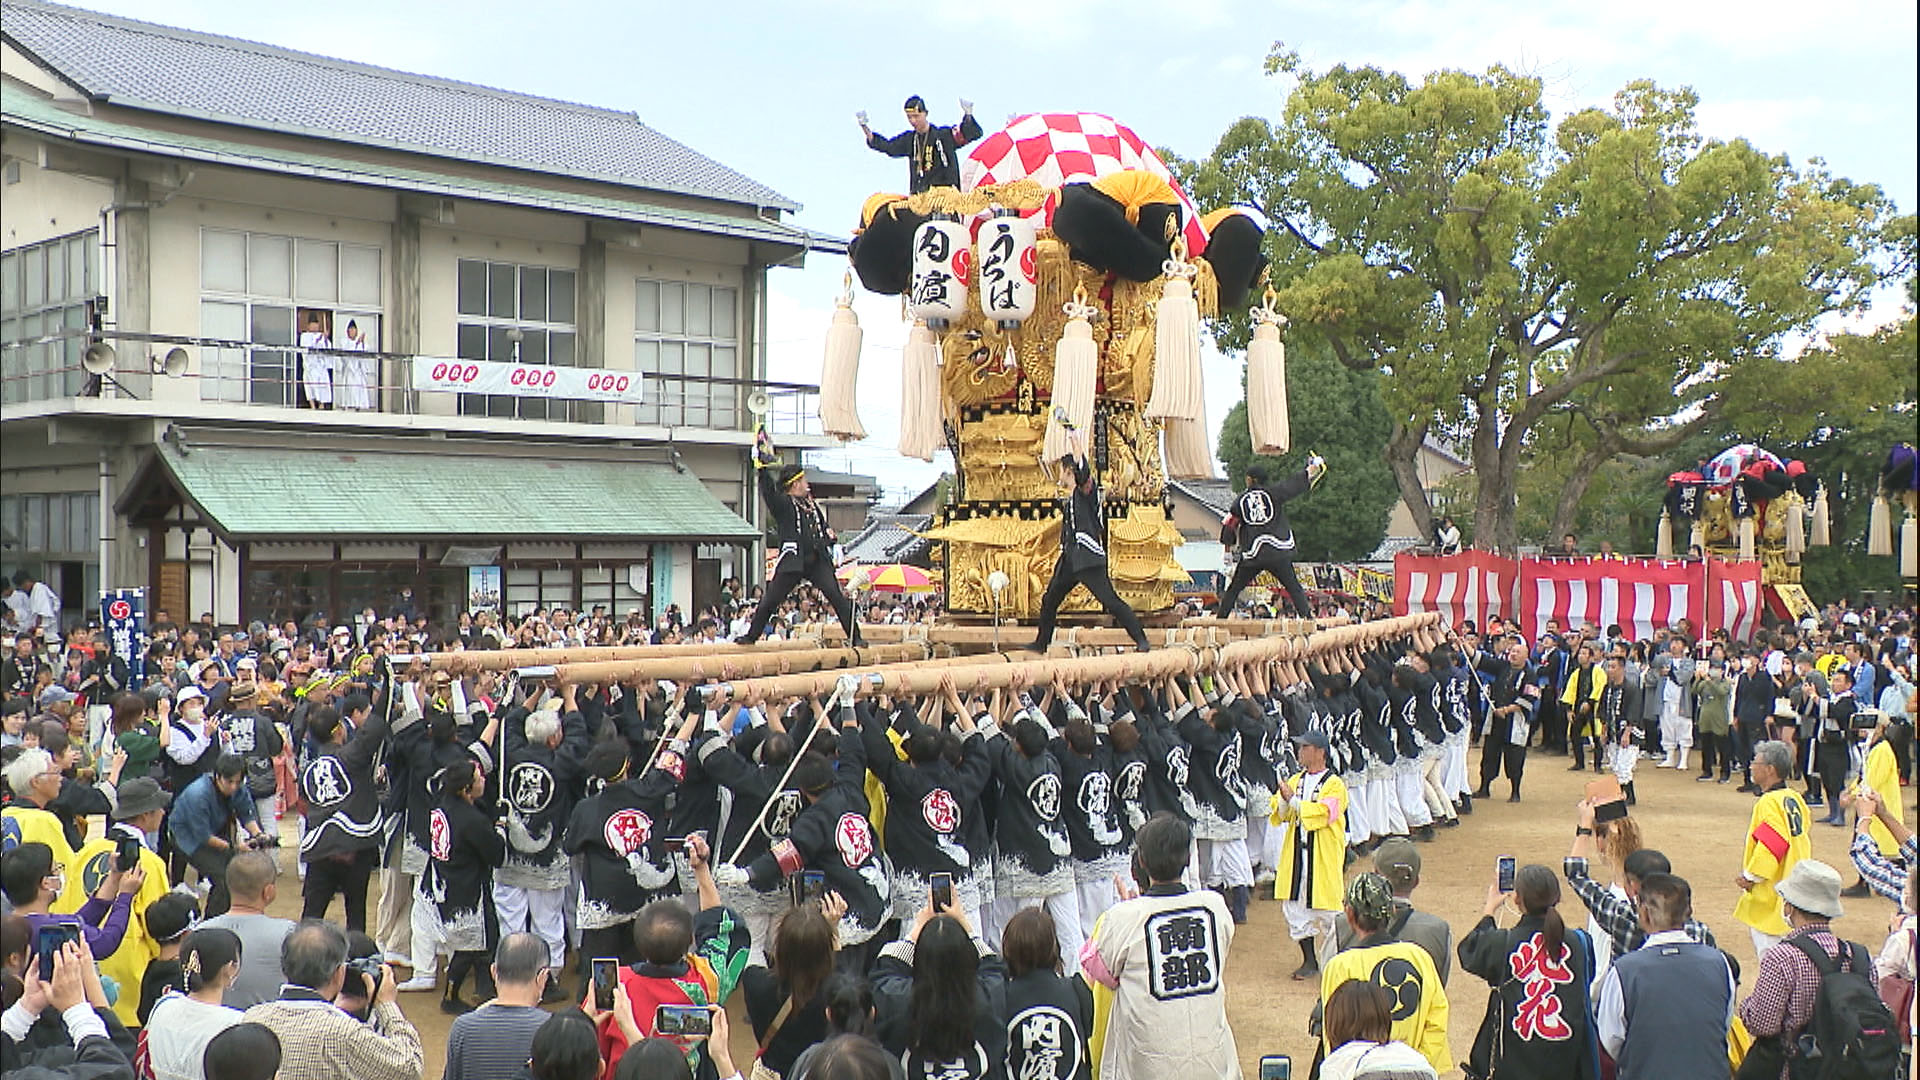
1699,826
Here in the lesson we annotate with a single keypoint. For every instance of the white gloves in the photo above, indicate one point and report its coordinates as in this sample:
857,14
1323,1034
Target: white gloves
861,116
966,106
729,874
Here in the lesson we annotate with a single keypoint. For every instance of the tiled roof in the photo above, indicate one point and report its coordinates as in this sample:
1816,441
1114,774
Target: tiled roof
889,538
1215,495
29,110
185,73
426,496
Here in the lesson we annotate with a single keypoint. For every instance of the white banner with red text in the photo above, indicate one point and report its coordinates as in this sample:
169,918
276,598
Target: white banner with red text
526,380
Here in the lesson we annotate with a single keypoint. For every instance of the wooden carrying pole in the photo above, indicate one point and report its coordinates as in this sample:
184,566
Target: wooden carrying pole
984,674
999,673
821,683
1191,632
474,661
749,663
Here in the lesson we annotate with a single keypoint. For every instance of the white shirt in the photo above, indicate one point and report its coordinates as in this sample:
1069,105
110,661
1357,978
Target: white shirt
178,1032
1610,1013
43,610
17,607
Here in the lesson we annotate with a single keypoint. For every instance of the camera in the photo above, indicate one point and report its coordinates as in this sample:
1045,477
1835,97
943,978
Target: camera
369,970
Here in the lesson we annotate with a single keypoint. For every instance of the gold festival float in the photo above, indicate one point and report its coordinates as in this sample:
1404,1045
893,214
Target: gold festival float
1062,285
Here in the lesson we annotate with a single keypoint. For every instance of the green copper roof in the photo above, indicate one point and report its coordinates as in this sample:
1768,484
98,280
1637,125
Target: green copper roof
250,493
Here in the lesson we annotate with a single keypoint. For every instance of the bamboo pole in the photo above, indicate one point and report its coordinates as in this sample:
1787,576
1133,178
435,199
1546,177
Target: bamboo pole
748,663
474,661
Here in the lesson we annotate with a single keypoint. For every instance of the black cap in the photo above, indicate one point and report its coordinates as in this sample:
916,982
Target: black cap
1257,472
788,474
916,103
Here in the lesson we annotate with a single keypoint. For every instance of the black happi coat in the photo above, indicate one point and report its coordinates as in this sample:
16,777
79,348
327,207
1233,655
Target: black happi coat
1083,526
834,836
1031,839
933,157
1258,524
459,874
1169,762
422,757
1087,805
618,834
1049,1023
927,804
343,803
748,787
1213,772
539,785
1524,1034
800,524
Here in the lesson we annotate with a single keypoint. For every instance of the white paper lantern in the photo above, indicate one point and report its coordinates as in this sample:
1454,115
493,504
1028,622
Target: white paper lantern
942,272
1009,274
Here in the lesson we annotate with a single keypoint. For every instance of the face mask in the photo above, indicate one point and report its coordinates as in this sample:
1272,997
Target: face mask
59,884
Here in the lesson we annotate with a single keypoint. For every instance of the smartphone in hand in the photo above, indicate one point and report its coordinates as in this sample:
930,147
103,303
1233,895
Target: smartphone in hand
940,889
49,940
606,976
1503,872
686,1021
808,885
1276,1067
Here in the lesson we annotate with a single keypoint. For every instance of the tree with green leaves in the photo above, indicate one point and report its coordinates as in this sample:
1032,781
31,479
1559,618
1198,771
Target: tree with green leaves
1615,274
1337,413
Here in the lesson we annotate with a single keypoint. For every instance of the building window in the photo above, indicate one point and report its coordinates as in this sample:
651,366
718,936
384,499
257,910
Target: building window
686,344
499,302
44,289
279,293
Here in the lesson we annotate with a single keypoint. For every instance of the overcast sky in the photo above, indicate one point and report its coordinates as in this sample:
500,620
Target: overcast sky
771,89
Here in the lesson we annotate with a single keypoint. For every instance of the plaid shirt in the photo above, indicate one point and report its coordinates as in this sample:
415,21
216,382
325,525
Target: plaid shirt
319,1042
1784,991
1886,876
1620,918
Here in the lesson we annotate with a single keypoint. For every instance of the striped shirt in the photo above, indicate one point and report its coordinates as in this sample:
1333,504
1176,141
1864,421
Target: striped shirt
492,1043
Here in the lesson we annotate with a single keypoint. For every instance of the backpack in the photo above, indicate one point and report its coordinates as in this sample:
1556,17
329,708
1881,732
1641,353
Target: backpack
1852,1034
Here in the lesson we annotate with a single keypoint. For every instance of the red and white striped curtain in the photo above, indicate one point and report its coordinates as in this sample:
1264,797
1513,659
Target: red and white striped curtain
1638,594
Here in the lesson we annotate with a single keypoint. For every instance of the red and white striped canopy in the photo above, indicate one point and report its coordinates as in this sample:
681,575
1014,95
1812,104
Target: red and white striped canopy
1053,149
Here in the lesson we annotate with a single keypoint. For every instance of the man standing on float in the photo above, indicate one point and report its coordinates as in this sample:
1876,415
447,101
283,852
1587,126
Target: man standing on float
1265,539
1083,551
806,544
932,153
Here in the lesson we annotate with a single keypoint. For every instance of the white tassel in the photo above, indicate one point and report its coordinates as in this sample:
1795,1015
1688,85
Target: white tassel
1697,537
1178,388
1268,421
1076,368
840,372
1187,454
920,394
1822,527
1796,529
1880,527
1746,539
1663,541
1910,546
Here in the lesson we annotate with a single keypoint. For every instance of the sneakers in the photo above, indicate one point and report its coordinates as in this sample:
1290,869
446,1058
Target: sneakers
454,1006
417,984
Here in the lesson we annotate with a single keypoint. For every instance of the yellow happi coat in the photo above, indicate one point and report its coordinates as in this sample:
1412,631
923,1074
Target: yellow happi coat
128,963
1776,839
1313,841
1882,774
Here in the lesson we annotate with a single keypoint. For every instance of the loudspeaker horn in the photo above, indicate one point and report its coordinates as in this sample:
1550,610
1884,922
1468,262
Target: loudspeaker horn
174,365
98,359
759,404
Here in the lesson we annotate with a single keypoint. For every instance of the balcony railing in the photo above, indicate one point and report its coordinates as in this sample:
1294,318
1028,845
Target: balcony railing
245,375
